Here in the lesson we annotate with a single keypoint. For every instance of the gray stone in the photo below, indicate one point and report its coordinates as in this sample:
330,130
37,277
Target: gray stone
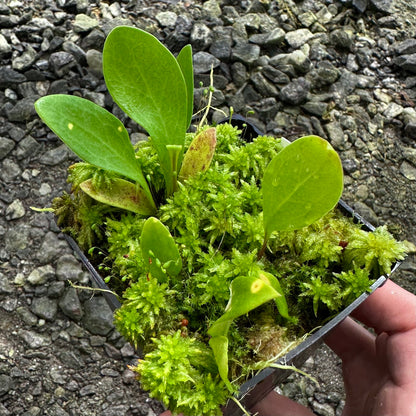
5,286
45,308
295,92
361,5
263,86
203,61
51,248
25,60
201,36
87,390
366,212
9,76
23,110
410,130
308,18
274,75
98,317
6,384
408,171
4,411
127,350
28,317
57,375
239,74
68,268
17,238
55,156
298,37
250,21
76,51
6,146
246,53
405,47
299,60
70,304
385,6
115,410
56,289
342,39
222,48
61,63
350,166
325,74
84,23
27,148
15,210
407,62
128,376
211,9
167,19
95,62
41,275
96,97
9,304
316,108
72,359
56,410
34,339
336,135
5,48
9,171
324,409
275,37
392,111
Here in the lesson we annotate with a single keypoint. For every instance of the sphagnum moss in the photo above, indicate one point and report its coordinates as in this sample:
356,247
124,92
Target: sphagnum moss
215,219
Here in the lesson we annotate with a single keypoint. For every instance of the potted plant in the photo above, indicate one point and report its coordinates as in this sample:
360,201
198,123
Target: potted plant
223,253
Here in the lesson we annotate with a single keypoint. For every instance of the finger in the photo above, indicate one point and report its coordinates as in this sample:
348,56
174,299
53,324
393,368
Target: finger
389,309
277,405
349,339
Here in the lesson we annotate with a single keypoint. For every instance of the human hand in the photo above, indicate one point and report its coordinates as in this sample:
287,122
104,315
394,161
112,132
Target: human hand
379,370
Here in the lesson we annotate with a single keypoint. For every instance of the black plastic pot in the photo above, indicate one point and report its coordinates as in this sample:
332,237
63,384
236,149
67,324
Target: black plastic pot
252,391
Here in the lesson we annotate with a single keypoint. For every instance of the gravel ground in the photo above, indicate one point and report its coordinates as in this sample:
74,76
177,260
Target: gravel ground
340,69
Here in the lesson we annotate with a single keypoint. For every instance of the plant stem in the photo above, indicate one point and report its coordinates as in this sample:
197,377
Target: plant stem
211,90
174,152
263,247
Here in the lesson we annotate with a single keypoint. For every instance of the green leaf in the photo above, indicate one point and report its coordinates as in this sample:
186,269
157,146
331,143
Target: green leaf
146,81
184,59
93,133
160,250
302,183
280,300
247,293
219,346
120,194
199,155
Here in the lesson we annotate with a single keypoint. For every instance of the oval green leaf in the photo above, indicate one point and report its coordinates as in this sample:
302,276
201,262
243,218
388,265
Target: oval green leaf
147,83
92,133
160,250
302,183
199,155
120,194
184,59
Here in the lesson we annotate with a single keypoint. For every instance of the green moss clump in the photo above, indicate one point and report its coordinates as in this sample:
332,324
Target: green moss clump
172,373
216,221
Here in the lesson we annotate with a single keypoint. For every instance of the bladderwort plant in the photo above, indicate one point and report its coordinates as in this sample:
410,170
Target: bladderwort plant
218,244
